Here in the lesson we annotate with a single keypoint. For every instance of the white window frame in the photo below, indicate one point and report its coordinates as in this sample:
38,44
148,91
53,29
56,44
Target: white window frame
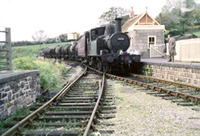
148,47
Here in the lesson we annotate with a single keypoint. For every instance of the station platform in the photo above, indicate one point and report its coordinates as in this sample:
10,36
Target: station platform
183,72
164,62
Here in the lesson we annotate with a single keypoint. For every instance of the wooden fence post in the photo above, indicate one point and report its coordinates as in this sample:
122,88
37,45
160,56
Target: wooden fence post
9,49
8,52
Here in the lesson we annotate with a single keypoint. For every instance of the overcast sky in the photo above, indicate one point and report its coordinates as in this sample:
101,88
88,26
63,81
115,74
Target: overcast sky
56,17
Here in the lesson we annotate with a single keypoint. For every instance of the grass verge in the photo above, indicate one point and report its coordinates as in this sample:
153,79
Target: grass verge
31,51
50,72
24,59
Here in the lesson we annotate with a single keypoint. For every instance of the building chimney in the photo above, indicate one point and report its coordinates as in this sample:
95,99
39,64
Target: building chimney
131,13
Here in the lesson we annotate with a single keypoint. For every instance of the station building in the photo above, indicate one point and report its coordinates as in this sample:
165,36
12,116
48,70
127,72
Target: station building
144,31
72,36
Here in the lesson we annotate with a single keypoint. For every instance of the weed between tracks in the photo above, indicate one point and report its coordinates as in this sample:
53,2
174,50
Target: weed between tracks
19,113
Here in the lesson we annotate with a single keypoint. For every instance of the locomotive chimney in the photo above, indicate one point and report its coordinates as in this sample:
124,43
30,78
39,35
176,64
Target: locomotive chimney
131,13
118,27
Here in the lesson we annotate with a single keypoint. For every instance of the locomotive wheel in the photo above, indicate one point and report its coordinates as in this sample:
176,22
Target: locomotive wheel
99,65
92,63
110,68
105,68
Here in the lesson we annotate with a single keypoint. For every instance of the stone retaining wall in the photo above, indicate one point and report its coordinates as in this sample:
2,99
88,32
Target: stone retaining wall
17,90
177,73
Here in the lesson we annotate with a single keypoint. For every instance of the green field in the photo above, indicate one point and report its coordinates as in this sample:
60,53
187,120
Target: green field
24,58
32,50
195,33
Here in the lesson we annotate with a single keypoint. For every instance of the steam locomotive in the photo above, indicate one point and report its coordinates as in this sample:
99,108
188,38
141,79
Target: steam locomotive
103,48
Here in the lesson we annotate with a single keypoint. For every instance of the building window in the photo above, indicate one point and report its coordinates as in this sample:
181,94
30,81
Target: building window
151,41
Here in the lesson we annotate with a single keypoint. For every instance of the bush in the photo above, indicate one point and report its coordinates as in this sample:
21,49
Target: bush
49,71
24,59
175,32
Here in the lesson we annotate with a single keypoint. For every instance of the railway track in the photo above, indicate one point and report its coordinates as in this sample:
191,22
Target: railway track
83,105
182,94
75,110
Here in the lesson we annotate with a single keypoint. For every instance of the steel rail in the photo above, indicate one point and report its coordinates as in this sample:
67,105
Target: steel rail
164,81
101,87
70,61
160,89
64,92
32,116
54,83
35,114
156,88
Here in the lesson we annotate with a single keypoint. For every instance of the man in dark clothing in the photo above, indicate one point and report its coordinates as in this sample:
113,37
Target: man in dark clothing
165,51
171,48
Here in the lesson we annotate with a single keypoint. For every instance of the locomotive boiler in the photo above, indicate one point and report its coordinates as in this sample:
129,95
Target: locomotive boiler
103,48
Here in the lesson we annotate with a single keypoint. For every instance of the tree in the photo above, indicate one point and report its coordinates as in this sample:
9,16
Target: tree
178,14
63,37
197,15
111,14
39,36
51,40
125,18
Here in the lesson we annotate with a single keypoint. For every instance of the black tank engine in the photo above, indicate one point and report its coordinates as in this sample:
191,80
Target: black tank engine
103,48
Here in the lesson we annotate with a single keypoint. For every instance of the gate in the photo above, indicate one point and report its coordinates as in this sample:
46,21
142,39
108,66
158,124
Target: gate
157,50
6,52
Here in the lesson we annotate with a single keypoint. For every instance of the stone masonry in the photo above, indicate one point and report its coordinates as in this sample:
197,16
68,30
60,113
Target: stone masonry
17,90
140,40
177,73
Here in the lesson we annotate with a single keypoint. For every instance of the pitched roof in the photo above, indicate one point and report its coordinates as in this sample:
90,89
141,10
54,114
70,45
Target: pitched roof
130,22
134,20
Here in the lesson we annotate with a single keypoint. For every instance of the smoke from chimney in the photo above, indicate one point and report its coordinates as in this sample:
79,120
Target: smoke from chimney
131,13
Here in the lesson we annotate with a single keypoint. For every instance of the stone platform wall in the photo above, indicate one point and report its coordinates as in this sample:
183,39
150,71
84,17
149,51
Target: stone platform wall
177,73
17,90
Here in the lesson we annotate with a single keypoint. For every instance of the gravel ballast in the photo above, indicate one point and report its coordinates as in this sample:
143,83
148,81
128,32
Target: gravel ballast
142,114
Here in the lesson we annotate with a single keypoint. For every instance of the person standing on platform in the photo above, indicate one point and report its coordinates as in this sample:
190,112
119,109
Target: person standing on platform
171,48
165,51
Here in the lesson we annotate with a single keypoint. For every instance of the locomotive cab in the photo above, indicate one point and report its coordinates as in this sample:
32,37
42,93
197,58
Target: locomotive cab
93,42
